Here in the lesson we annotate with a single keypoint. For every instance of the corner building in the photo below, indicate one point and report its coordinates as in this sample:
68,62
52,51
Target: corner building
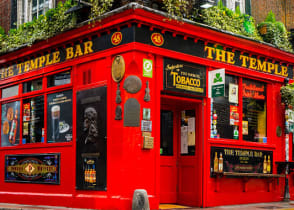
95,113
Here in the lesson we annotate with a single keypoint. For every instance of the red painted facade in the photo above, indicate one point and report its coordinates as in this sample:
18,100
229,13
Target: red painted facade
128,166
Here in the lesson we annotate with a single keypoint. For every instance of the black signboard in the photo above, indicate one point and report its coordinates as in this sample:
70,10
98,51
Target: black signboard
33,168
10,124
241,160
184,77
59,117
91,139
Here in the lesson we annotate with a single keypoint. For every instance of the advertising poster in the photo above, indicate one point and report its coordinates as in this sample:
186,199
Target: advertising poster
91,139
59,117
234,115
245,127
233,93
242,160
10,124
32,168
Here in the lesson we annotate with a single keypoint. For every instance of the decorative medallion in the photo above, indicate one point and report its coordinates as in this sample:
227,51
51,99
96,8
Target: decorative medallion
147,92
118,97
118,68
132,84
118,112
157,39
116,38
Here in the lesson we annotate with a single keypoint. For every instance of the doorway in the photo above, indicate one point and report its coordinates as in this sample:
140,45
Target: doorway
180,169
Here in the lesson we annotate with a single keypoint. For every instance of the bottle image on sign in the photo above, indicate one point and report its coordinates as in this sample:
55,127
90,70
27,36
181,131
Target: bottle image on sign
215,163
12,133
55,115
264,165
268,167
220,163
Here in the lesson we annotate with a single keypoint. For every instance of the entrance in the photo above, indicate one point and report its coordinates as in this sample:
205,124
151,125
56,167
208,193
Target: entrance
180,166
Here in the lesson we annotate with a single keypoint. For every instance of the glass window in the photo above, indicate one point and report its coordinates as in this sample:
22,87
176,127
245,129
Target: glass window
59,117
254,111
225,111
188,132
59,79
33,120
10,124
10,91
32,85
166,135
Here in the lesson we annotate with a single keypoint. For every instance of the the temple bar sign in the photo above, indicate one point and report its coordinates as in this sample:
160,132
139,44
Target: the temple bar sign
245,61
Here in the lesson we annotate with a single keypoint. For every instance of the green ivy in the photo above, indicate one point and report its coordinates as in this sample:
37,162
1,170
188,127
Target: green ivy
275,32
287,94
54,21
223,18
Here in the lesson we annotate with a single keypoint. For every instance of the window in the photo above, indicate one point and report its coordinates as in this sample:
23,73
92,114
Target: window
254,111
27,10
228,117
30,126
244,5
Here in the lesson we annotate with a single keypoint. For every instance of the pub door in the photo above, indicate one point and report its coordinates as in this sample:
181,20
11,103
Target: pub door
178,156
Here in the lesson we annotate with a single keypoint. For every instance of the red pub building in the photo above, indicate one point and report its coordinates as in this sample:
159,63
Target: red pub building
191,114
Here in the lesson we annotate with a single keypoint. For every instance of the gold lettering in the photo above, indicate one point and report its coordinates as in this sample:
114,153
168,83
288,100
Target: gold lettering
69,53
41,61
56,57
252,63
19,66
209,50
261,66
48,61
26,66
284,71
174,77
230,58
34,64
88,47
78,51
244,59
10,71
270,67
277,70
2,73
220,55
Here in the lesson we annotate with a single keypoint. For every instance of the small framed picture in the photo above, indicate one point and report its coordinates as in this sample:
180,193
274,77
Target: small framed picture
146,113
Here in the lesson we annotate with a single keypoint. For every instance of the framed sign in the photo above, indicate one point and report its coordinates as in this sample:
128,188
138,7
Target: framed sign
184,77
33,168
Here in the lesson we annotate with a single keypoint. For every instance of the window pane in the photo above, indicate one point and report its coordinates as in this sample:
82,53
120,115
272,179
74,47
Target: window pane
188,132
166,133
10,124
59,79
254,111
59,117
32,85
33,120
225,111
10,91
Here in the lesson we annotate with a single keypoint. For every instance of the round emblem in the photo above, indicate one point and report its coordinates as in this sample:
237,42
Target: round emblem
157,39
147,64
116,38
118,68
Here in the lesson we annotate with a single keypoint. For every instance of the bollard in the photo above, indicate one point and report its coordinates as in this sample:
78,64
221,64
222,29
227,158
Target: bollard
140,200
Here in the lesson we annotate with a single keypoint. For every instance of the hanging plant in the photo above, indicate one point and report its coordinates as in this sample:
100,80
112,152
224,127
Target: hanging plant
275,32
99,7
287,94
178,8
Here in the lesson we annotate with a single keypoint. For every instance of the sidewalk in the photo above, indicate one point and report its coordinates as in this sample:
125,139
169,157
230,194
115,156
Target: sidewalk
258,206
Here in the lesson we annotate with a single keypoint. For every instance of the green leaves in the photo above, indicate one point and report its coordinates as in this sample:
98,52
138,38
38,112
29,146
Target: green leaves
287,94
99,7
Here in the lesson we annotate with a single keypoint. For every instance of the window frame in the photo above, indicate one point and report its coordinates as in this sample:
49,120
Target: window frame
45,91
240,111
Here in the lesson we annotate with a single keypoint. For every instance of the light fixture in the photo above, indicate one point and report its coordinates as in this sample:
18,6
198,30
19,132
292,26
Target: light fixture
206,4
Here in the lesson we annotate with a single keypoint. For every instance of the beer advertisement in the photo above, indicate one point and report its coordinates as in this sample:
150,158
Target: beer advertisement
33,168
223,159
10,124
184,77
91,139
59,117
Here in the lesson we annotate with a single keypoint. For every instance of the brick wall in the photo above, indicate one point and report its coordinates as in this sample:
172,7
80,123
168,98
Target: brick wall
5,12
283,10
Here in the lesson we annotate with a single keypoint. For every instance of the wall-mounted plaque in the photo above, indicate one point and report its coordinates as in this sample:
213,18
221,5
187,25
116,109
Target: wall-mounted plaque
132,113
184,77
118,68
132,84
33,168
